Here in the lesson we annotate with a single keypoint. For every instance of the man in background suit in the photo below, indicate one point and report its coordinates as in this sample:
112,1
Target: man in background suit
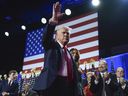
9,87
56,79
122,84
102,82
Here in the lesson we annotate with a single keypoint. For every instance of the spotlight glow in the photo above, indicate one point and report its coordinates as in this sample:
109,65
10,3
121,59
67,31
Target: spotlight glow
96,2
6,33
68,12
43,20
23,27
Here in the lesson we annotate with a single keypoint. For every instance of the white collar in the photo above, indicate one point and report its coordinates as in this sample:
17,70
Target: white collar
60,44
9,80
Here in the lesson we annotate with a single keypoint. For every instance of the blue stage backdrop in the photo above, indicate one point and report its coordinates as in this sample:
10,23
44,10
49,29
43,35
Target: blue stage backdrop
118,61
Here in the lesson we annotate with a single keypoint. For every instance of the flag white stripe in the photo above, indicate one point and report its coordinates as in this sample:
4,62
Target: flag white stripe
84,36
89,54
83,19
35,65
33,57
84,27
86,45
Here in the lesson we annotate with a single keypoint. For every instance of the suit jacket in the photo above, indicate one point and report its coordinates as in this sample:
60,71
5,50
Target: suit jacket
120,91
52,61
5,87
97,88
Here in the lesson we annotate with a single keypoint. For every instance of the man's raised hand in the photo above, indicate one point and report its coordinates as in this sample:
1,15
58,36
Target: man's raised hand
56,14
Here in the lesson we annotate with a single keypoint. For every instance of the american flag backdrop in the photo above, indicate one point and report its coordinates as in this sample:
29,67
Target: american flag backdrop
84,37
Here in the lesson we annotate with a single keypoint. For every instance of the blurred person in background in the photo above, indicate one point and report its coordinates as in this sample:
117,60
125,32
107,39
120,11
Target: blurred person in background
102,82
28,91
76,56
87,90
5,77
9,87
122,84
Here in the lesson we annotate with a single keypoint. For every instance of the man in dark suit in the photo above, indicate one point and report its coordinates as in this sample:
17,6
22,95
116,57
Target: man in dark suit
102,82
60,75
122,84
9,87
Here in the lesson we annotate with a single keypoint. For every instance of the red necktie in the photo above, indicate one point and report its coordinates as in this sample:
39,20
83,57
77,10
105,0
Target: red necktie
69,65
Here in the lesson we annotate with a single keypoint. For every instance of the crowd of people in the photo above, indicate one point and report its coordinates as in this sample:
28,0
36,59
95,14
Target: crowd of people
18,84
100,82
97,82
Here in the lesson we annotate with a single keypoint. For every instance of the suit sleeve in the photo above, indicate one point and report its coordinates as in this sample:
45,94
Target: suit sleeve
48,39
126,89
94,86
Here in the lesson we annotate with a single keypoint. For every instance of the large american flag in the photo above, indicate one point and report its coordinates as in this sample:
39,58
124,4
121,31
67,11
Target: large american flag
84,37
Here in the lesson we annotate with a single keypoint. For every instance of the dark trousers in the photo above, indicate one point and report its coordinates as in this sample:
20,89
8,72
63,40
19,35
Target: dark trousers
60,87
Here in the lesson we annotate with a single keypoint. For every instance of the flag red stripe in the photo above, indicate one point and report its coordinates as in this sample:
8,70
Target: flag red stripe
89,49
96,58
34,61
84,32
84,23
83,41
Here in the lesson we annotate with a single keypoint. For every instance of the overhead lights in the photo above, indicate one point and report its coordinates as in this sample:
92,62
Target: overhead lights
23,27
96,2
43,20
6,34
68,12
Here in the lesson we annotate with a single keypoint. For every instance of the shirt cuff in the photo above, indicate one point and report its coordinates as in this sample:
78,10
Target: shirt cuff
96,81
108,81
123,86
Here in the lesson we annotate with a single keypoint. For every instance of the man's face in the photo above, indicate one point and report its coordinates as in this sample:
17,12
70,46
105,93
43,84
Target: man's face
75,55
5,76
13,76
63,35
102,66
120,72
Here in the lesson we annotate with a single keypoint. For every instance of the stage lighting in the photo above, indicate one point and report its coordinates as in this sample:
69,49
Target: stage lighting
43,20
23,27
68,12
95,2
6,33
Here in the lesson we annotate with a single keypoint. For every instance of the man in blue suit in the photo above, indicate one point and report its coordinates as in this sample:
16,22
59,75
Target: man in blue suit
9,87
60,75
